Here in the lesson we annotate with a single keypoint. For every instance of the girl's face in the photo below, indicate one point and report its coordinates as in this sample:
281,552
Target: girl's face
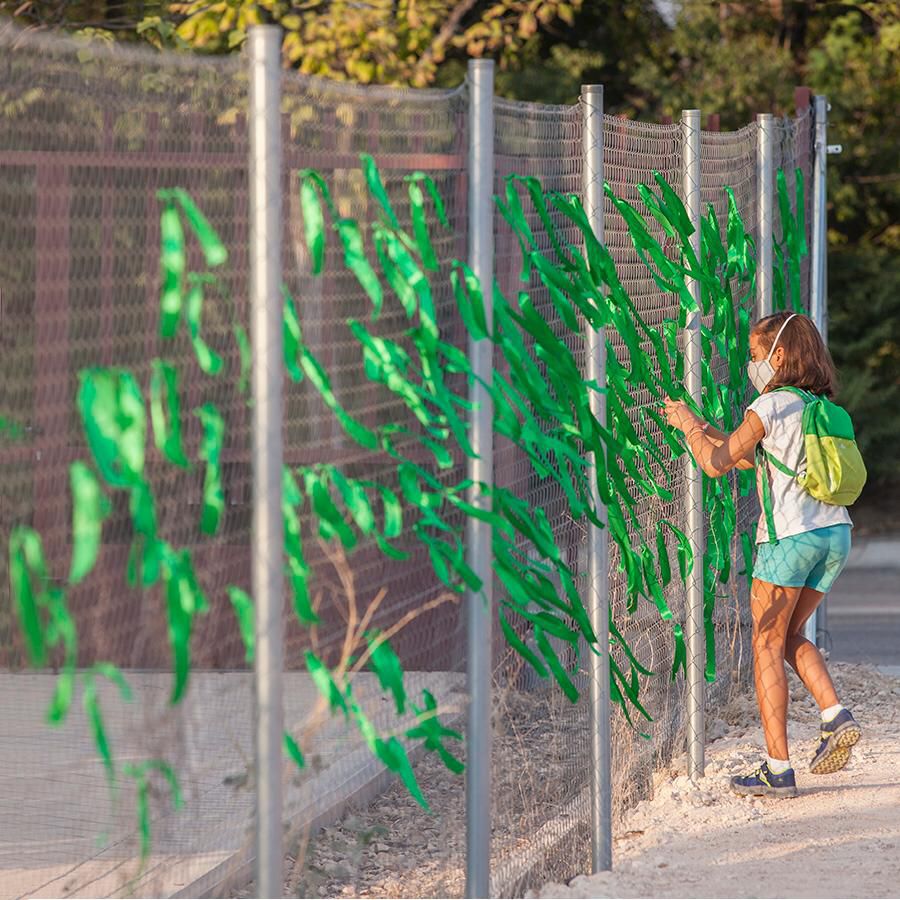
758,353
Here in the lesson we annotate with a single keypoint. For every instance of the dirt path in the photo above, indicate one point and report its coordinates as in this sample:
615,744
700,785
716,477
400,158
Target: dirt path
839,838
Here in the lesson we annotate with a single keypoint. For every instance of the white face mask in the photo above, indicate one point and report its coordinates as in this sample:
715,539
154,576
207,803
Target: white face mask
761,373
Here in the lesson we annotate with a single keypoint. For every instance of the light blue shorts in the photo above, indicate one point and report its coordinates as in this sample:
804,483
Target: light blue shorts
813,559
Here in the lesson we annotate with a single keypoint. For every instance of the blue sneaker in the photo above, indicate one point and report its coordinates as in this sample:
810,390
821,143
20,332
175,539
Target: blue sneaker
762,783
838,738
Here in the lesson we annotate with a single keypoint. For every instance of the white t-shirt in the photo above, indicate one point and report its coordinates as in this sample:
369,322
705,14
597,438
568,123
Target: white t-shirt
795,511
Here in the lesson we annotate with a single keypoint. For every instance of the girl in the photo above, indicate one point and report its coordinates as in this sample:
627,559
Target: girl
794,572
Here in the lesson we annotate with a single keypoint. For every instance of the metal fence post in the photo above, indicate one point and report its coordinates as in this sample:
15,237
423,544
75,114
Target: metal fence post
818,301
696,645
598,538
479,604
765,204
268,415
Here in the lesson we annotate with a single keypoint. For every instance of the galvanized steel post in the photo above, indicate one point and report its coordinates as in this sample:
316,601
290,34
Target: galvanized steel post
598,538
765,205
268,415
818,301
696,644
479,604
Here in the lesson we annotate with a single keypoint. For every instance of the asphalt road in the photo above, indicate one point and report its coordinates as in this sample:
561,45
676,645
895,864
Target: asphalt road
863,615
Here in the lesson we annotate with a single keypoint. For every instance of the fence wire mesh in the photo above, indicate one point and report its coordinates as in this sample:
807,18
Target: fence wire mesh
793,150
541,740
632,152
88,136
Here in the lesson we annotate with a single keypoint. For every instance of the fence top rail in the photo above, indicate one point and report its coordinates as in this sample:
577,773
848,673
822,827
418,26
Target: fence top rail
83,51
295,157
504,104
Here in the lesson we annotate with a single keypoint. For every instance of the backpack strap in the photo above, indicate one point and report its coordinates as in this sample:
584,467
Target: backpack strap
779,464
761,455
808,396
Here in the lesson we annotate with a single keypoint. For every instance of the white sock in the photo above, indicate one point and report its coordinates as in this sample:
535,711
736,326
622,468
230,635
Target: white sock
778,766
831,712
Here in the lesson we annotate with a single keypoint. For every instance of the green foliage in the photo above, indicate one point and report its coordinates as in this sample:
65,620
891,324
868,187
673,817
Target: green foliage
864,330
382,41
848,51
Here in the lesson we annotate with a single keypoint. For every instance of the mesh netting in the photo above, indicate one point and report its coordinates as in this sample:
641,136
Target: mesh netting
632,153
793,149
87,138
728,159
540,803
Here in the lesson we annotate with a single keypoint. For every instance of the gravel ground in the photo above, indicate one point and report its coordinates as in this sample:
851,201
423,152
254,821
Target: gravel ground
394,848
839,838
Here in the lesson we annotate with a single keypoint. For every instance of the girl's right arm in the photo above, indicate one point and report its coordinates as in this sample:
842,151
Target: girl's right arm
719,438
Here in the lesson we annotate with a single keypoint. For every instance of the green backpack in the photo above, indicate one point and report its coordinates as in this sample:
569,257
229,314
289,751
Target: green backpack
835,472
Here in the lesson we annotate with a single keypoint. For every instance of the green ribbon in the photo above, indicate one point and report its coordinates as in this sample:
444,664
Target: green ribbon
184,601
387,668
242,604
419,220
211,244
243,343
292,748
90,507
297,568
209,361
313,219
141,775
114,421
173,262
432,733
165,414
541,402
10,430
211,454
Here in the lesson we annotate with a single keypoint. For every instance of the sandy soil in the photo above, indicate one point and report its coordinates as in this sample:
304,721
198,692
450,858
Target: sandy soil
839,838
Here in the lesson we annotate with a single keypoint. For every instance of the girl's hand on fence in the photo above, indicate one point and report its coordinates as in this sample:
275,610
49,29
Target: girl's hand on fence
679,415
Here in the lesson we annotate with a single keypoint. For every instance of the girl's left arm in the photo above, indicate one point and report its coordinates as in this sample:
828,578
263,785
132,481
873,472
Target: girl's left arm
716,456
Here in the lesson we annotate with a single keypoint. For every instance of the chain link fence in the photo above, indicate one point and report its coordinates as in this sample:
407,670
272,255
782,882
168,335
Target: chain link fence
88,136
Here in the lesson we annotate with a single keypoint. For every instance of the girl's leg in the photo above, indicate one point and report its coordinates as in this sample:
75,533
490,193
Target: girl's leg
804,657
772,607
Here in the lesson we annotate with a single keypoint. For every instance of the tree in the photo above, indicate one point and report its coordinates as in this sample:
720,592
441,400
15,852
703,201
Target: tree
118,17
599,45
382,41
739,59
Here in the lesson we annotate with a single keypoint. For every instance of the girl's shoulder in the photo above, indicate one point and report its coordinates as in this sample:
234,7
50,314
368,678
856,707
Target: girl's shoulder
775,405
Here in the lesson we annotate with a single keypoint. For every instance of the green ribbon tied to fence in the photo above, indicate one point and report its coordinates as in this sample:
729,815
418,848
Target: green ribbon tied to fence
541,406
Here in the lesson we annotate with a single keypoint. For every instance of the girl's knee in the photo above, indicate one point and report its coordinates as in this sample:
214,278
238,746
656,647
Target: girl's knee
769,639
